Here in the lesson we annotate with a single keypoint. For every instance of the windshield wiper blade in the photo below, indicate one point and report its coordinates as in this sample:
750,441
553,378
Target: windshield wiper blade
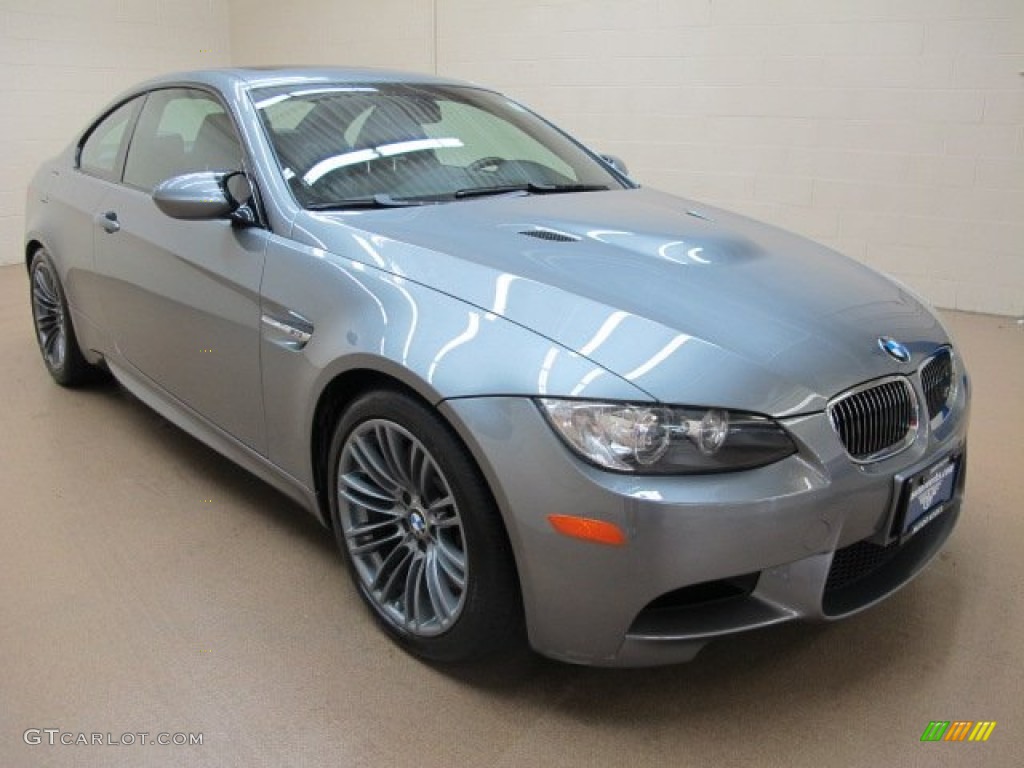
531,188
375,201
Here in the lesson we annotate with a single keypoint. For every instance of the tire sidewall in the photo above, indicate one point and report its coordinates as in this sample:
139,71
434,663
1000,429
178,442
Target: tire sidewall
490,582
41,261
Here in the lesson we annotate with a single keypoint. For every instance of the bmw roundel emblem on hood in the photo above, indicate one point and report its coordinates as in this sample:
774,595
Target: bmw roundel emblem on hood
894,349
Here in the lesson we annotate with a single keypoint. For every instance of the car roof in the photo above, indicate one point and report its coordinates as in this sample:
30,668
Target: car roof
229,79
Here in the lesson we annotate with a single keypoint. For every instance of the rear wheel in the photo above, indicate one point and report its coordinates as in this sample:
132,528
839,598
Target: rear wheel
54,330
420,531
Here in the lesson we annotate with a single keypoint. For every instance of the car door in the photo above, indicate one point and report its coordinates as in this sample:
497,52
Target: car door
181,298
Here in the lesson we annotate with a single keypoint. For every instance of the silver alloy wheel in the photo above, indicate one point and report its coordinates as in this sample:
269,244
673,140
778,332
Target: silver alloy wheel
48,313
402,528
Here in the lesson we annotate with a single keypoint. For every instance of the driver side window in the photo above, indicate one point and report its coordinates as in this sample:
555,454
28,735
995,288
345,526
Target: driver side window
180,130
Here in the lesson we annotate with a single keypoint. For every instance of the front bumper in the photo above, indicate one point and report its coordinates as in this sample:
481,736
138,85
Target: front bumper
705,555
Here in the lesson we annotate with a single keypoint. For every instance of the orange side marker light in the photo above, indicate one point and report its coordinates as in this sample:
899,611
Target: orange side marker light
588,529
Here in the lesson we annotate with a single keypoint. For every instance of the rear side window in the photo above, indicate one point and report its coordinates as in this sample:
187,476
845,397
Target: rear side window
101,153
180,130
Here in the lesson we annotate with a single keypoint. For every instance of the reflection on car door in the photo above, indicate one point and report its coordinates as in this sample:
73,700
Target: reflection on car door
181,298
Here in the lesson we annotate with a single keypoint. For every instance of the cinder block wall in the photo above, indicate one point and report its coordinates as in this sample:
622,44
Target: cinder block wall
62,60
399,34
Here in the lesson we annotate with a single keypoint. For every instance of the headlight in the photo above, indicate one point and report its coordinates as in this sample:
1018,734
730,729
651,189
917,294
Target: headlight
654,439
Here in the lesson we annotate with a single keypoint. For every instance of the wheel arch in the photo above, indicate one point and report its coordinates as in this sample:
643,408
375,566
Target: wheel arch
340,392
344,389
34,244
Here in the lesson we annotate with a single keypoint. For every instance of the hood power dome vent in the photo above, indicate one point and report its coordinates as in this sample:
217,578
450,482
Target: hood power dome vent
550,234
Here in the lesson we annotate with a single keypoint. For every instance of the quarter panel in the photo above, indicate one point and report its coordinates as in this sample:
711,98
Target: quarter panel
60,206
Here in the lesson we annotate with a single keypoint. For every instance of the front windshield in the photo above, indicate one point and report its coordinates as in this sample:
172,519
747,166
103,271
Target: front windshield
387,143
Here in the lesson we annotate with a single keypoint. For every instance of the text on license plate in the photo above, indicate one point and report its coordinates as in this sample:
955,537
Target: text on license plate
930,489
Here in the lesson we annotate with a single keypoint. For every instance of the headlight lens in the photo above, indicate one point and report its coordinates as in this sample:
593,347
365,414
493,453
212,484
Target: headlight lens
654,439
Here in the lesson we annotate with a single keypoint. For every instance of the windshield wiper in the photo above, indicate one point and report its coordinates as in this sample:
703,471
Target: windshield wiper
383,200
530,188
375,201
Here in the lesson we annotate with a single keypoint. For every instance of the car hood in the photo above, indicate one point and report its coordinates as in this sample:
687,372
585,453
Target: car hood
690,303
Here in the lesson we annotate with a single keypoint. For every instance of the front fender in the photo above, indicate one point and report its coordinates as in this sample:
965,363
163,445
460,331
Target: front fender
367,319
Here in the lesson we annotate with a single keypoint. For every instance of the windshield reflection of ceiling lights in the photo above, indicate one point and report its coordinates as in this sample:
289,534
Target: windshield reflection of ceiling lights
272,100
355,157
334,89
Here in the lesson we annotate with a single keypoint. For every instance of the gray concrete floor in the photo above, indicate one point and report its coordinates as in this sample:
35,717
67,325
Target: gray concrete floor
147,584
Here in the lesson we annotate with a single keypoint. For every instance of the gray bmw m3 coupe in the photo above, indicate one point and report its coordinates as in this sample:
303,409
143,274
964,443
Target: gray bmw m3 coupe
532,400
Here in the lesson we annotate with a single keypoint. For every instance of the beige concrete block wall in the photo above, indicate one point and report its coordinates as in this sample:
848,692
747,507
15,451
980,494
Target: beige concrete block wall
62,60
370,33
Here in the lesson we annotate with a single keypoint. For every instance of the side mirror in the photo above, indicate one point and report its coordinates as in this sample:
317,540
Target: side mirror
193,196
207,195
617,164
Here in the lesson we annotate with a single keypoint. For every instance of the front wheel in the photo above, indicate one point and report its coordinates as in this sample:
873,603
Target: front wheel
420,531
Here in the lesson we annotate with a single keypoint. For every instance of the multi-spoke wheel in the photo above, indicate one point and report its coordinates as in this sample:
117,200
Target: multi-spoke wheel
48,312
54,331
420,530
402,527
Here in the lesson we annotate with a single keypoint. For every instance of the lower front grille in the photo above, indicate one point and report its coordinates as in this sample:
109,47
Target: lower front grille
864,572
875,420
857,561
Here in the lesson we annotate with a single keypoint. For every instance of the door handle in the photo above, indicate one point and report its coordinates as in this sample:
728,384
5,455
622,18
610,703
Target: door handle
109,221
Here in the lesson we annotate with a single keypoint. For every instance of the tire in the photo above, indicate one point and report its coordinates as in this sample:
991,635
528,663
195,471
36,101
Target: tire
420,532
55,332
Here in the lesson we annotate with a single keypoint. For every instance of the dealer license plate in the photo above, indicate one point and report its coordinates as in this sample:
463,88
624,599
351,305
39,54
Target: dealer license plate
929,491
